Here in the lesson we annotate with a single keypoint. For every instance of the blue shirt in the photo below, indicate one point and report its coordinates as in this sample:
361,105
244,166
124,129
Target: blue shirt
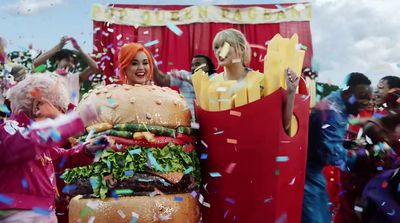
328,126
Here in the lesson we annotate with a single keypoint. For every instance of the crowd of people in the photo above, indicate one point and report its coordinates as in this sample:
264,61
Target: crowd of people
356,129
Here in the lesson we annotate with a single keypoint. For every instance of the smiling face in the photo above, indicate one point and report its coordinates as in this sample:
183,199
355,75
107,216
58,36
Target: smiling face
138,70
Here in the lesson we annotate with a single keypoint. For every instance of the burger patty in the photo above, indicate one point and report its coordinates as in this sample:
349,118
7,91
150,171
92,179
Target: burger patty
142,184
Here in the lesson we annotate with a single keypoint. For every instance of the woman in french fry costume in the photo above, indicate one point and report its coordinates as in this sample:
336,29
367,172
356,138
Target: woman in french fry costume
254,130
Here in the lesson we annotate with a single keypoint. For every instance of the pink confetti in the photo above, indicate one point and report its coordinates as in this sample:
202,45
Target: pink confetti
230,168
235,113
231,141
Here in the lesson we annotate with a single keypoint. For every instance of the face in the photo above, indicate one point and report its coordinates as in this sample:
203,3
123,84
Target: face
231,58
359,100
197,61
138,70
382,90
44,110
65,63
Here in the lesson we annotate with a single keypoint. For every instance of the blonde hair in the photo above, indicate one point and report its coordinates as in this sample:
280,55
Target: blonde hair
45,86
237,40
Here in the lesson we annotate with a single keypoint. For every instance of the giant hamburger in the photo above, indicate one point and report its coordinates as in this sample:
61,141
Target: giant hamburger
151,171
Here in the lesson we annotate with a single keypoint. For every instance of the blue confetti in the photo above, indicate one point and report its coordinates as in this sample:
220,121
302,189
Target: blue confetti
352,100
62,162
129,173
174,28
4,109
111,102
215,174
151,43
194,193
69,188
135,217
24,183
379,168
177,198
114,195
55,135
188,170
320,88
41,211
135,151
377,115
6,200
203,156
94,182
282,159
153,161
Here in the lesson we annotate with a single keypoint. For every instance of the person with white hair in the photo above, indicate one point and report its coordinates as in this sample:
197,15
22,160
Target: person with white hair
30,148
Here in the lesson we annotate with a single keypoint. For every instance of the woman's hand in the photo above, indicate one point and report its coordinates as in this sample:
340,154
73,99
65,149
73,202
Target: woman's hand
292,81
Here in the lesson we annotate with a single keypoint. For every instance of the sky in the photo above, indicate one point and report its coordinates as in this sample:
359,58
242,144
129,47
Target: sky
348,35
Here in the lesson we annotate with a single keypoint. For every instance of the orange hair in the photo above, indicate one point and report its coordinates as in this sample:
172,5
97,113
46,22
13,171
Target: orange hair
126,55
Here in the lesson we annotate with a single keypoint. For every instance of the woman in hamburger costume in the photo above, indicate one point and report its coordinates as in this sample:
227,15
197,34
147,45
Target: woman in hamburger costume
151,171
250,135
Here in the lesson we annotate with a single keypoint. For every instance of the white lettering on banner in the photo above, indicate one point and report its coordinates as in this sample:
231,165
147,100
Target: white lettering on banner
194,14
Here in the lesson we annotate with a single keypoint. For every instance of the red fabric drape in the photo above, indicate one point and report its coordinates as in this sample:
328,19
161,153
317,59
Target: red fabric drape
176,52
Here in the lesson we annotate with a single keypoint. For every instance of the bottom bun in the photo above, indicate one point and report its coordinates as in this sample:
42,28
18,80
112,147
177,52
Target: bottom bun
160,208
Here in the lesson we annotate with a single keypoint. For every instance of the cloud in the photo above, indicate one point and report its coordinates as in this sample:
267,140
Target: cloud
357,36
29,7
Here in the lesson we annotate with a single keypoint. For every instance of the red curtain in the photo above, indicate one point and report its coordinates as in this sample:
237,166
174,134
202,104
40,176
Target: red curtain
176,52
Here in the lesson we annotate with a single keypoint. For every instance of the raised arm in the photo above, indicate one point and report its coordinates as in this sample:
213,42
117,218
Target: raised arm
92,66
48,54
160,78
292,82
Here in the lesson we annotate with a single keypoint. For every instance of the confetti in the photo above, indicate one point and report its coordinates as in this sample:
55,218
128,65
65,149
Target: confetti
203,156
194,125
230,168
55,135
282,158
84,212
119,36
267,200
231,141
224,50
135,217
194,194
68,188
24,183
276,172
153,161
292,182
91,219
175,29
6,200
128,173
4,109
121,213
151,43
40,68
159,63
123,191
379,168
280,7
135,151
188,170
325,126
146,32
235,113
204,144
177,198
377,115
358,209
218,133
41,211
230,200
352,100
392,213
215,174
226,213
